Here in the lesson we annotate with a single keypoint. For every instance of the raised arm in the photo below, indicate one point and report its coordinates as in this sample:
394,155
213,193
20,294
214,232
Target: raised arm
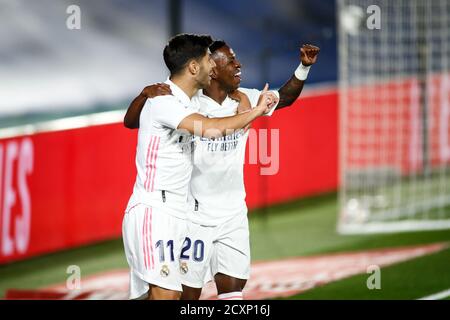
131,119
290,91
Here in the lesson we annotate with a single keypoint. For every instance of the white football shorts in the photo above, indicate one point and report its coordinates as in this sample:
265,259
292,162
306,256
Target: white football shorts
153,240
209,250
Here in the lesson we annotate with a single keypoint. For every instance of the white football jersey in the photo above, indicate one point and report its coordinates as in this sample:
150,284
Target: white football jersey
217,190
164,154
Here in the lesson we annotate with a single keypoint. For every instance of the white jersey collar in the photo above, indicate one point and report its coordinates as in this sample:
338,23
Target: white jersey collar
211,100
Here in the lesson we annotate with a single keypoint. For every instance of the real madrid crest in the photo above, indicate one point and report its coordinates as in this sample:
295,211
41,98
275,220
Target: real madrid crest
164,271
184,268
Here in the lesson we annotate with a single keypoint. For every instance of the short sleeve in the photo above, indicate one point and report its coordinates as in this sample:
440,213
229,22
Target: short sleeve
253,96
169,111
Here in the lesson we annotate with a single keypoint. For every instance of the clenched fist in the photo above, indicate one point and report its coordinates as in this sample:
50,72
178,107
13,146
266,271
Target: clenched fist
308,54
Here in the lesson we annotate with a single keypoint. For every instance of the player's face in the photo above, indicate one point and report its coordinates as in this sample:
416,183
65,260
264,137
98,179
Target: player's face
228,68
206,66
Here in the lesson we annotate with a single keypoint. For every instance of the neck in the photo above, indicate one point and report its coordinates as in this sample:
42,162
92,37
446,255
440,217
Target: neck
187,85
215,92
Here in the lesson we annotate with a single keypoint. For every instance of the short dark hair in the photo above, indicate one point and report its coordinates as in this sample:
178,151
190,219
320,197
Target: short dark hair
184,47
216,45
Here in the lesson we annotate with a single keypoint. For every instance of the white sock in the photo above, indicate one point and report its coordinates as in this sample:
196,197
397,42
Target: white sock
237,295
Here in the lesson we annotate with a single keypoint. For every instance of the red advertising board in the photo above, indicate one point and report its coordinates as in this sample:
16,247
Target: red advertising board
386,125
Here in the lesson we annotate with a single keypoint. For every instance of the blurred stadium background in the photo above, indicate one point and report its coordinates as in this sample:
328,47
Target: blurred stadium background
364,176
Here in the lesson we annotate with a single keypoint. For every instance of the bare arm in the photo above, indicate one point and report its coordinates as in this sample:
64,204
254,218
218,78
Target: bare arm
217,127
131,119
290,91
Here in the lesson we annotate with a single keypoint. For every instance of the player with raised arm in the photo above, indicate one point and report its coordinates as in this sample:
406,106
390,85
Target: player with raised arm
154,225
218,236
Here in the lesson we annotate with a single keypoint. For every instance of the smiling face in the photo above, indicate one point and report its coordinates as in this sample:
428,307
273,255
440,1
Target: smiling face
228,69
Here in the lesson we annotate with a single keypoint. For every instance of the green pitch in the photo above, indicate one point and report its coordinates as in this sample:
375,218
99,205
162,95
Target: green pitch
412,279
301,228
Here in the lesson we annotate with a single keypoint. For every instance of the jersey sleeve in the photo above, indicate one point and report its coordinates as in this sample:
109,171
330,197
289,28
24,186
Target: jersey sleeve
169,112
253,96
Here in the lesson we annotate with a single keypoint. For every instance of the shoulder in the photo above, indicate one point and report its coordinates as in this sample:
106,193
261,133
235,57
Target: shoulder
162,100
167,104
249,91
252,94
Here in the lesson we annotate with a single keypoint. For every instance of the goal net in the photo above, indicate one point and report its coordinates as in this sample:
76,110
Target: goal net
394,91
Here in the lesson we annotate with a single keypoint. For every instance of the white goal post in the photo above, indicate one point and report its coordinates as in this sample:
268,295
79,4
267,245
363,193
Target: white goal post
394,100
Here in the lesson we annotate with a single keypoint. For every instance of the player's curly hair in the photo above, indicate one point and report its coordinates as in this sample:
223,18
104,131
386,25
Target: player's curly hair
216,45
184,47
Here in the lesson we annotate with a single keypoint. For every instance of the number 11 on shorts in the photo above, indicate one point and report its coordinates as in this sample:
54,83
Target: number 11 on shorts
160,245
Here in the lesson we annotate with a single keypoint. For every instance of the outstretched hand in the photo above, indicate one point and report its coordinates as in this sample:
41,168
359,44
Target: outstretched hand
266,100
270,98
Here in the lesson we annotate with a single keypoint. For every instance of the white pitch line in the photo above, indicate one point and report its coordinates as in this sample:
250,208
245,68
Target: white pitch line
437,296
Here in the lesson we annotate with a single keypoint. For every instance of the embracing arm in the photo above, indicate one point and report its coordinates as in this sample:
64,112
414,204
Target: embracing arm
131,119
199,125
217,127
